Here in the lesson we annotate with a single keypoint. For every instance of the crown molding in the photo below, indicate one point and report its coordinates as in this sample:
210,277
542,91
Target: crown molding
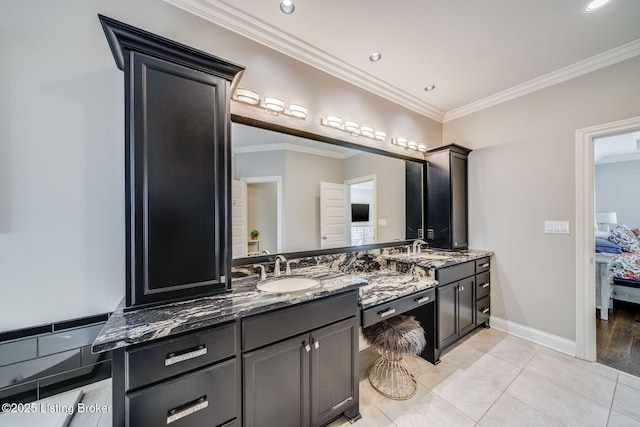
604,59
293,147
231,18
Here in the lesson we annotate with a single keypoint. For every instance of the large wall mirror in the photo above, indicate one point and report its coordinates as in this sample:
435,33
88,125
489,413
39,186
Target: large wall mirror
295,192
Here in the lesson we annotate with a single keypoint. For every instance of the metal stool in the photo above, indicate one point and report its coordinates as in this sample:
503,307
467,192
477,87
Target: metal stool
395,338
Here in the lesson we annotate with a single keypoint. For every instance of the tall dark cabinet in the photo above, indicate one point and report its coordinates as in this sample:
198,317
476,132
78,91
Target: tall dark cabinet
177,150
447,224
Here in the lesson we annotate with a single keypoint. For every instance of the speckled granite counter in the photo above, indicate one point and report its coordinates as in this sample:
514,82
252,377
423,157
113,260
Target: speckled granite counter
139,326
386,285
432,259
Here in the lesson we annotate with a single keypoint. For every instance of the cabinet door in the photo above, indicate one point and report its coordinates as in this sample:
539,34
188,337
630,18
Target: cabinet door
447,314
276,384
176,180
466,305
458,201
334,370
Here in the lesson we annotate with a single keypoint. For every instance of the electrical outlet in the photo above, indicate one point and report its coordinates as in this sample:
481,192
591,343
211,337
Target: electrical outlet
557,227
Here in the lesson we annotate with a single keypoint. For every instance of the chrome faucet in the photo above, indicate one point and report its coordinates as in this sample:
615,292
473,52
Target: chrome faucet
417,246
263,273
276,268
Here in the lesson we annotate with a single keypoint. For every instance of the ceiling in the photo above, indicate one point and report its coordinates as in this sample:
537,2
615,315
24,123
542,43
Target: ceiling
477,53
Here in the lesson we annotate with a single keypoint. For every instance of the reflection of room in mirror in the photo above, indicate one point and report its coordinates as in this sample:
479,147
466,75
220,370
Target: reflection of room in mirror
301,165
362,195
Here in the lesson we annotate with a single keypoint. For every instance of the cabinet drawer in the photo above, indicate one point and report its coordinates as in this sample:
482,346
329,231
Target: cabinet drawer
483,309
389,309
482,265
455,272
263,329
483,285
154,362
204,398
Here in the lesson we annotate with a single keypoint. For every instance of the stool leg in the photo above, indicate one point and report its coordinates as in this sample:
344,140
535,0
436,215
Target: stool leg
390,376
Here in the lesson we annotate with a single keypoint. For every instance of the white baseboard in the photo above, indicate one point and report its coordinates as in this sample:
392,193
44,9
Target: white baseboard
553,342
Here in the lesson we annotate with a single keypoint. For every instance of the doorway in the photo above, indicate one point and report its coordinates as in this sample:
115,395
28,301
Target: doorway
585,231
362,196
264,213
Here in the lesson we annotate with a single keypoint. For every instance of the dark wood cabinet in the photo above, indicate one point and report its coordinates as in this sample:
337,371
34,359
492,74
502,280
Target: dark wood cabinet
456,310
304,380
191,380
177,174
446,205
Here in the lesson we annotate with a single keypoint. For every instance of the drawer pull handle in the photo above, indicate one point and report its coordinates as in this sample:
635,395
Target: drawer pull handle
485,265
188,409
316,344
461,288
486,285
173,358
421,300
387,312
485,310
306,346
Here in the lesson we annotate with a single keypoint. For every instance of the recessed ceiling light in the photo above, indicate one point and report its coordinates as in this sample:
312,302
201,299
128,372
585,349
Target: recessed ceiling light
287,6
596,4
430,88
375,57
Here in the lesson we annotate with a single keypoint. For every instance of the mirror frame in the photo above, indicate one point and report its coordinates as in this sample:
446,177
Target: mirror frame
243,120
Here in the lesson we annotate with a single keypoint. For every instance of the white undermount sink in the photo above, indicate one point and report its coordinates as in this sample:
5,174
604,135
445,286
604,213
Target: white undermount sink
288,284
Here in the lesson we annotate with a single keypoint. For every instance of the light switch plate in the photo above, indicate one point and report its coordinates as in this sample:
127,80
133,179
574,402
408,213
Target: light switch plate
557,227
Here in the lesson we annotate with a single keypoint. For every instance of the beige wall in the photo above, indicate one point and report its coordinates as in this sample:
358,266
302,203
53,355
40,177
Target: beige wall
521,173
61,143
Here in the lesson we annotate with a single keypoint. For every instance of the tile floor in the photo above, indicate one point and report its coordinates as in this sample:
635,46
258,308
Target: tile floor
489,379
495,379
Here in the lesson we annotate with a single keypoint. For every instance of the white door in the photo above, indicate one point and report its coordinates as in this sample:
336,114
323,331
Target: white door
239,245
335,218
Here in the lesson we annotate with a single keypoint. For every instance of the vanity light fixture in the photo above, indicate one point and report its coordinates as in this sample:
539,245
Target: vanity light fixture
596,4
409,144
273,104
366,131
287,6
270,104
351,127
296,110
247,96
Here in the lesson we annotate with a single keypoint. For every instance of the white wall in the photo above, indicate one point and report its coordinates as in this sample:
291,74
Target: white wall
521,173
61,143
262,207
617,191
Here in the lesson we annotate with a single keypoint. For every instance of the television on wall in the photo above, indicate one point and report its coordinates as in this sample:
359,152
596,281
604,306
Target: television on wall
359,212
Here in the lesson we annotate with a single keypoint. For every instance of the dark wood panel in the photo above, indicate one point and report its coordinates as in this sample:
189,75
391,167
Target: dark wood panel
455,272
267,328
276,385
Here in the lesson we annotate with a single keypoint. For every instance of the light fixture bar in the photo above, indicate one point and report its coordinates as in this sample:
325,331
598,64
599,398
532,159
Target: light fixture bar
353,128
270,104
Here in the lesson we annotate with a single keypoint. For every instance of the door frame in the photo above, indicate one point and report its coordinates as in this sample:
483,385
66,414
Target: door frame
585,228
280,203
374,210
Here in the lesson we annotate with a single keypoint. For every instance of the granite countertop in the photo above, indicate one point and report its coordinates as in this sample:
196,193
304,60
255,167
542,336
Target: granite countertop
386,285
433,258
138,326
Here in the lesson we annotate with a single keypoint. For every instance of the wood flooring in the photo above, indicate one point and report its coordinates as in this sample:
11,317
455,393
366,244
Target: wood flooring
618,339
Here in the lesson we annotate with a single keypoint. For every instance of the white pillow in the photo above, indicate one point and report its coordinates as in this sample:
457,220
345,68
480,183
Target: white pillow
603,234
